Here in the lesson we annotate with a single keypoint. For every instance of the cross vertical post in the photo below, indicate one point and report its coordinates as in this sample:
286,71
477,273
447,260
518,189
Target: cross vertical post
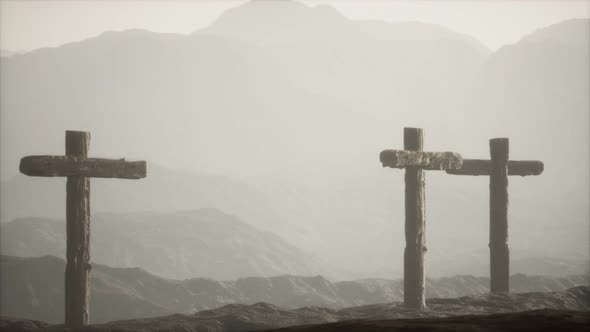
415,161
499,252
415,210
77,290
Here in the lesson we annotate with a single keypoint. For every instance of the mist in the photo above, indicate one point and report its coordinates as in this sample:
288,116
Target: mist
262,133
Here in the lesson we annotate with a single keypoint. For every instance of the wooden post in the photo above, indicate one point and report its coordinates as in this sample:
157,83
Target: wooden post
414,276
499,252
77,293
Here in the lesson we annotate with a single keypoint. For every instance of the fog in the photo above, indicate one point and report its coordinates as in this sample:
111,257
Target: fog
276,112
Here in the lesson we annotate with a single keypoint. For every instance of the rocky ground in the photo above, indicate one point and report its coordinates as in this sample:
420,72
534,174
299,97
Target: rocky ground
570,310
536,320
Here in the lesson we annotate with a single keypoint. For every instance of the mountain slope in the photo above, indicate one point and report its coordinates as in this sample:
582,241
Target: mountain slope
573,33
33,288
23,196
7,53
286,22
205,243
390,62
536,93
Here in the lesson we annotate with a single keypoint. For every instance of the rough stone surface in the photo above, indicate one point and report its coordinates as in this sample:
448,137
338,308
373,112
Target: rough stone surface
262,316
537,320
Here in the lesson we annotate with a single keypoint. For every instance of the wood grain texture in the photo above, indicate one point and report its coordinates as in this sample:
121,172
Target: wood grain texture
414,277
80,166
77,291
499,252
484,167
425,160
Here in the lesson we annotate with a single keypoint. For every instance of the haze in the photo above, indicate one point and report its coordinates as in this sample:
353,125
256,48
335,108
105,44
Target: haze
275,113
28,25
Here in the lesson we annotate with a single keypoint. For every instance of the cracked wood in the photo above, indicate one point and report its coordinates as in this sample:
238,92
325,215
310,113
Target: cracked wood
484,167
80,166
424,160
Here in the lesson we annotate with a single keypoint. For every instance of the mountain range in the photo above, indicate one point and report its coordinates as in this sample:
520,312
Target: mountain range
205,243
277,111
32,288
209,243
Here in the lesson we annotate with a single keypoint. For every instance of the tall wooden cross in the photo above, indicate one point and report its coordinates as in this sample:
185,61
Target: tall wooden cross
415,161
78,168
498,169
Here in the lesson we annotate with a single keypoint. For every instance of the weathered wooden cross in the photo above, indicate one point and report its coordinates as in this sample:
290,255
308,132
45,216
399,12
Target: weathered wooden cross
498,169
415,161
78,168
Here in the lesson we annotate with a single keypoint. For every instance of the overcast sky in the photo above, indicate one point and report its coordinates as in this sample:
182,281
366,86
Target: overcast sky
27,25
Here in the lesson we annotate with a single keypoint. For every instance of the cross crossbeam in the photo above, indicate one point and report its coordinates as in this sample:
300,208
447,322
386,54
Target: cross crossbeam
484,167
425,160
78,168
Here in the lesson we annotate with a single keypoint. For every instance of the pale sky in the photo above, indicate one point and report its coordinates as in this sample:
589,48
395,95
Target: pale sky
28,25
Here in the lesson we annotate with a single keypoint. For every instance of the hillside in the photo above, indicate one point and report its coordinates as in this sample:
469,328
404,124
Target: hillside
566,310
364,62
32,288
7,53
205,243
573,33
181,244
24,196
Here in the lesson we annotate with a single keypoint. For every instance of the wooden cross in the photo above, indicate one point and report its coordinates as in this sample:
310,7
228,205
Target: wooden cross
415,161
78,168
498,169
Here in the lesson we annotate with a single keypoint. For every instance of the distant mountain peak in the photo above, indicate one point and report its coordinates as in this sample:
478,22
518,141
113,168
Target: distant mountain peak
259,19
572,32
284,22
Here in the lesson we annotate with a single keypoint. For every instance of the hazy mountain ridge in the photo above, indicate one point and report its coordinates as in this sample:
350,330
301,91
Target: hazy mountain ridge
291,21
572,33
316,113
316,42
33,288
205,243
210,243
7,53
44,197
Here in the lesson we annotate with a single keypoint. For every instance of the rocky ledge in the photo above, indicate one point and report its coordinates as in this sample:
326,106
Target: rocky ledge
567,310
